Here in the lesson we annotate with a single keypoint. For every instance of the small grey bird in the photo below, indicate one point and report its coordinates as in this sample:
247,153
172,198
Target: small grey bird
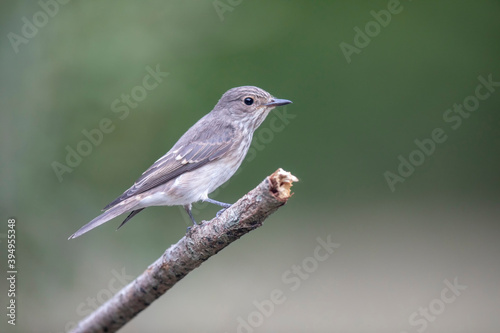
204,158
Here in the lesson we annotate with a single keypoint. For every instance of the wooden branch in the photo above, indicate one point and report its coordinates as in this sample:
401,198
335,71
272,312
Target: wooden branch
199,244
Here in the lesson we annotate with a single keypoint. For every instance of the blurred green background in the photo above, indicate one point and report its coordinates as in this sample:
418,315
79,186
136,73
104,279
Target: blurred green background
347,126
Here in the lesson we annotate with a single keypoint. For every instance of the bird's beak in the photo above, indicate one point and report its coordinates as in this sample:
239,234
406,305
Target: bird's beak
278,102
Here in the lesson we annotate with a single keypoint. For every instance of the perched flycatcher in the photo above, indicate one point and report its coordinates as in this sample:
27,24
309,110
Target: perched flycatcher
204,158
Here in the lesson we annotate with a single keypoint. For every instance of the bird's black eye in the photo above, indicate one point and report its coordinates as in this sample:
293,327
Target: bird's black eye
248,101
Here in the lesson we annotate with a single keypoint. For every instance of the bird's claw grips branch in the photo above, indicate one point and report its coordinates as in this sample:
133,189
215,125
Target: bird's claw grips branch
199,244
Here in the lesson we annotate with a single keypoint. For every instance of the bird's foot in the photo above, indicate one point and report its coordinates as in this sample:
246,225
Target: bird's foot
221,211
190,228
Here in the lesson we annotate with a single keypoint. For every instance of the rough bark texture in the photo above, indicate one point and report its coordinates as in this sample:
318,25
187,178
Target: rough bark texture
199,244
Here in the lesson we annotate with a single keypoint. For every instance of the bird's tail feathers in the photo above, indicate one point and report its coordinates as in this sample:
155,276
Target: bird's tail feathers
105,217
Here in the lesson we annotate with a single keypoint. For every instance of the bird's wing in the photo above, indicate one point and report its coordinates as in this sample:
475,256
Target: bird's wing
182,158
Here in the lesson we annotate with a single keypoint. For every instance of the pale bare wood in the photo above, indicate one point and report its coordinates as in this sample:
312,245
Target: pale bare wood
199,244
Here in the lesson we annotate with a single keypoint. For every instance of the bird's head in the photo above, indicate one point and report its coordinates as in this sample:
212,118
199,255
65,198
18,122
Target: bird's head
248,105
